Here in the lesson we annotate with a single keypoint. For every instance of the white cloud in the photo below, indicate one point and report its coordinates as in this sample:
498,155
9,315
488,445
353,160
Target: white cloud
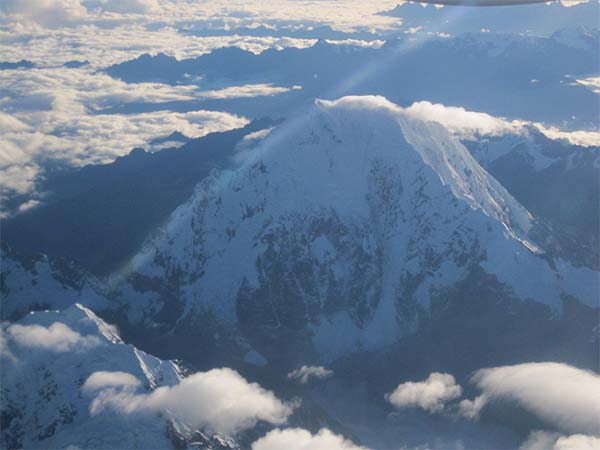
58,337
471,409
470,125
345,15
299,439
545,440
29,204
430,395
577,442
102,380
220,400
592,83
583,138
51,13
464,124
244,91
563,396
305,373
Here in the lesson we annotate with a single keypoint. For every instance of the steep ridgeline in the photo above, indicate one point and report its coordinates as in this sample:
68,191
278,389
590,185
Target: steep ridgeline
335,236
556,181
46,400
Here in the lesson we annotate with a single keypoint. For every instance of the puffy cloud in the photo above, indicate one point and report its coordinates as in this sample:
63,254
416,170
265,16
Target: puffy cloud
101,380
430,395
471,409
58,337
220,400
464,124
563,396
305,373
544,440
299,439
577,442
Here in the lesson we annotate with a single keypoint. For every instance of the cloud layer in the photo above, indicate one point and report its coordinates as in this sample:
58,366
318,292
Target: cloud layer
299,439
220,400
53,114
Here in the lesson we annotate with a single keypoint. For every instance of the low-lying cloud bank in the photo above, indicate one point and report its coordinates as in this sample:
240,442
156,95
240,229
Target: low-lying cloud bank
299,439
305,373
220,400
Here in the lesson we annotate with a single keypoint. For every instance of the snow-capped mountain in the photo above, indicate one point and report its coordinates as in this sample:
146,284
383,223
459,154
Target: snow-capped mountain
46,359
336,234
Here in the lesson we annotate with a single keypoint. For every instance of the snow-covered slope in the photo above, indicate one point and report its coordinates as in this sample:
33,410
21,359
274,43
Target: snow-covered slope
46,359
36,282
337,231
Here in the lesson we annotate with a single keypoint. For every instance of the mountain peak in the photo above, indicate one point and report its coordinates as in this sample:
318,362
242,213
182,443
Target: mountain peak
347,219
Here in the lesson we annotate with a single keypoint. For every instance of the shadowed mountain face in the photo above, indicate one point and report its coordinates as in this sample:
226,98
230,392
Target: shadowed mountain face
476,71
557,182
100,215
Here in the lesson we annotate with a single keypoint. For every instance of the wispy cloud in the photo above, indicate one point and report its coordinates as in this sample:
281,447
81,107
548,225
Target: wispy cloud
305,373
